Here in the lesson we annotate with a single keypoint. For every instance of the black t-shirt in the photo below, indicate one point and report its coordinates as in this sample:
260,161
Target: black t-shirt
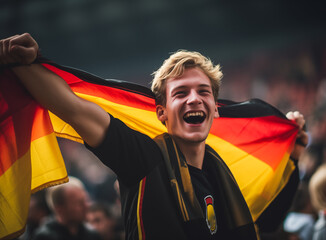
148,204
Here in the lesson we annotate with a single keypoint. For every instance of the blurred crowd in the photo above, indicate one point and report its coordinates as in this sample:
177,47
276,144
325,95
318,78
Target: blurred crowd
67,211
291,79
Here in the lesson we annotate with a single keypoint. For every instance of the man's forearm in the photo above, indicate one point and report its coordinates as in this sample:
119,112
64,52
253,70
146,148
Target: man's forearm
51,91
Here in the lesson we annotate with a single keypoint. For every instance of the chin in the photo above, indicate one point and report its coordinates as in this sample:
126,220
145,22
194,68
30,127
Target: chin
196,138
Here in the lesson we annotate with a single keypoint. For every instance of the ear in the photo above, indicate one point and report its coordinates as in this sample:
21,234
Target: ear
161,113
216,114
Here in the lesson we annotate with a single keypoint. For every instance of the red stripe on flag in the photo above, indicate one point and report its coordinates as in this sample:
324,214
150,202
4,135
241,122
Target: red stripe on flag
109,93
42,125
21,120
15,136
257,136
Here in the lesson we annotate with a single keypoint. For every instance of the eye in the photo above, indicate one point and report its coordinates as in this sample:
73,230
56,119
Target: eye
205,92
180,94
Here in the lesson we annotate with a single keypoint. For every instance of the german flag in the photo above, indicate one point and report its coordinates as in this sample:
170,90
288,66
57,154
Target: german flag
252,137
26,134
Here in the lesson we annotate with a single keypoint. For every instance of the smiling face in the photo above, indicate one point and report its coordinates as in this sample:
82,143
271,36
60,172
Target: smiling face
190,107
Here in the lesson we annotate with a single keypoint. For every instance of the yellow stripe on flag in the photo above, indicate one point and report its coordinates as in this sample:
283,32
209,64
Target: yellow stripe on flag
14,198
42,166
48,167
255,178
141,120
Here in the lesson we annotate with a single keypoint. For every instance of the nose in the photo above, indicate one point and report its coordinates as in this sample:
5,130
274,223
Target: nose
194,98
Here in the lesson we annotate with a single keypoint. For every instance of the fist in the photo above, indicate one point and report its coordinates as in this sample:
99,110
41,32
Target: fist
21,49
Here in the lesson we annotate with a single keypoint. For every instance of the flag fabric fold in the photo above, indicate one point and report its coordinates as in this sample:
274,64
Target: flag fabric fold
30,157
253,138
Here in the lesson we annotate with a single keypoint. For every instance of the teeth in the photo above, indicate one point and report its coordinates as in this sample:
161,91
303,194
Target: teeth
194,114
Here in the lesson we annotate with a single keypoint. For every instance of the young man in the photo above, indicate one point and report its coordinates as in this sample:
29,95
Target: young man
175,187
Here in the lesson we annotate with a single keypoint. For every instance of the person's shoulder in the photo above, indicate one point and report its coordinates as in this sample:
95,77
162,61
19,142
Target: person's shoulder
44,232
48,231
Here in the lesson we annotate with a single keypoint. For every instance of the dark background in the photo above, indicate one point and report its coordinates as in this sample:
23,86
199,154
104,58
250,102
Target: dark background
128,40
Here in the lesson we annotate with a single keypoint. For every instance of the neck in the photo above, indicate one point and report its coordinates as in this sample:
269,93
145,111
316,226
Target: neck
193,152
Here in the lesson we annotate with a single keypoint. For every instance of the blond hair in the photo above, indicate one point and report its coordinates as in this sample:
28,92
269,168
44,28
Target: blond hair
174,67
317,188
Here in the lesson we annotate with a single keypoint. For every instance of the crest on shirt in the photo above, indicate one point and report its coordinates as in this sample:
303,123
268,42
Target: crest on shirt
210,214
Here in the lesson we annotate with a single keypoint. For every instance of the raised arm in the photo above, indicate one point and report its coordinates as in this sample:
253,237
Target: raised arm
51,91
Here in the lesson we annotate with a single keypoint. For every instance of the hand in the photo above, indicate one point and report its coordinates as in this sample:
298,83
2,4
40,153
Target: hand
18,49
302,137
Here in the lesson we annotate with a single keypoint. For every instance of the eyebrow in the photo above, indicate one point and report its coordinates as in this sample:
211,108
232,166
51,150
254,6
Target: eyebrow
184,86
205,85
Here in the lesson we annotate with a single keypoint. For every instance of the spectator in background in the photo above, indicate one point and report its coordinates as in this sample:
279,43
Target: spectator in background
318,132
309,161
101,218
317,188
69,202
38,212
300,220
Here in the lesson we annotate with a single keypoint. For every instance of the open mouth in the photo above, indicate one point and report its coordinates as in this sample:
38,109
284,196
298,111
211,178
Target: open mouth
194,117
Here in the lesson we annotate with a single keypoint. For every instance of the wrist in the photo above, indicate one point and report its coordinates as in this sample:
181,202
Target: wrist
19,64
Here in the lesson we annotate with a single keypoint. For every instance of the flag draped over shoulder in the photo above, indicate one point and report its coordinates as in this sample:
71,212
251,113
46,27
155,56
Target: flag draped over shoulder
253,138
